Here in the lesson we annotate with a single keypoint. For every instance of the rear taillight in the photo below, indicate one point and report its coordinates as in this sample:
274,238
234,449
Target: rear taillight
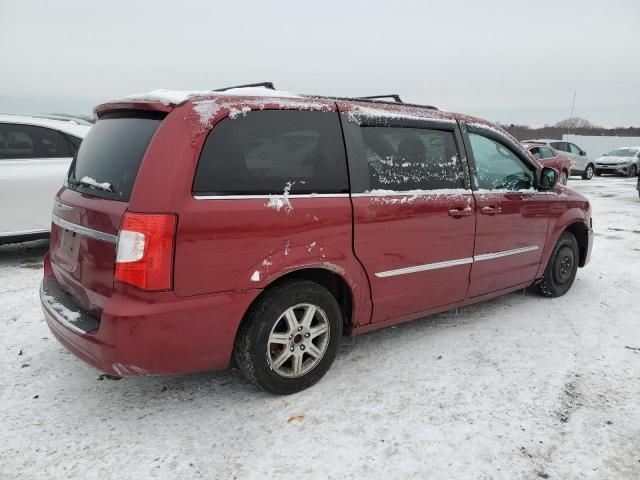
144,255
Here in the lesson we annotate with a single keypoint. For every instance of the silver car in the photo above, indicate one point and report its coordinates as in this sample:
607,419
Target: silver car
623,160
35,154
580,162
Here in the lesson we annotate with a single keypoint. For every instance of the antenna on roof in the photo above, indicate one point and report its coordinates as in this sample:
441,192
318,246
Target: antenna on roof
268,85
396,98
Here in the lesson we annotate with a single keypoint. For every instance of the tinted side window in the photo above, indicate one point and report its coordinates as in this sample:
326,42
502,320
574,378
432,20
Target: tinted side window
497,167
561,146
268,151
403,159
27,141
74,141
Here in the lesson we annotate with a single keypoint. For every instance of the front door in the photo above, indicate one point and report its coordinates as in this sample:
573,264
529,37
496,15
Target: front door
413,214
511,216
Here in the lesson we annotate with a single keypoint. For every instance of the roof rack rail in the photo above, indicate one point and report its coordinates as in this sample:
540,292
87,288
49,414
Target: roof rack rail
268,85
396,98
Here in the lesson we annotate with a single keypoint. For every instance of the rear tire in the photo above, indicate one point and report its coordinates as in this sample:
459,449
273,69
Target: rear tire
278,347
588,172
562,267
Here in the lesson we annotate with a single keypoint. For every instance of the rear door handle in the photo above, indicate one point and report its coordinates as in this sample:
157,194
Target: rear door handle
490,210
461,212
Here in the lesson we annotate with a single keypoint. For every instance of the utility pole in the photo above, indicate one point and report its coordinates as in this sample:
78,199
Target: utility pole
571,116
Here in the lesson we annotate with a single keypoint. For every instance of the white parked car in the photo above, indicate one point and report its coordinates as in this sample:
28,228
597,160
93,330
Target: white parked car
580,162
623,160
35,154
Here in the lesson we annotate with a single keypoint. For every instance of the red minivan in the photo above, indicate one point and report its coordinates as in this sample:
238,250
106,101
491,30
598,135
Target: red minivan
256,224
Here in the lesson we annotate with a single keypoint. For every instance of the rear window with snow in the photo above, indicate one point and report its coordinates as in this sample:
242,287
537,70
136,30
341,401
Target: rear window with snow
265,152
109,157
404,159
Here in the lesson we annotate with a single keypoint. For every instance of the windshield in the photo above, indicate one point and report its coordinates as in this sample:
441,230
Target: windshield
108,159
623,152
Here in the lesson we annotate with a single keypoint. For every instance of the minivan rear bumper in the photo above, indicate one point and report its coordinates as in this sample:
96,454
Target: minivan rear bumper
136,337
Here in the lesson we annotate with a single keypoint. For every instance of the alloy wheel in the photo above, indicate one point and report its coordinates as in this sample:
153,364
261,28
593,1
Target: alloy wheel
298,340
589,172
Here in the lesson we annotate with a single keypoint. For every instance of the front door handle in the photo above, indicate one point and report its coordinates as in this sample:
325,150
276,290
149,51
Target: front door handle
490,210
461,212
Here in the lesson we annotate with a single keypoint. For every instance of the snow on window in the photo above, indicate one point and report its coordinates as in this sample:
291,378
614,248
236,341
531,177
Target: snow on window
92,181
404,159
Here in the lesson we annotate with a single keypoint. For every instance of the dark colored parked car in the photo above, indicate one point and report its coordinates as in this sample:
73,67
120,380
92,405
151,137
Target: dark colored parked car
548,157
250,222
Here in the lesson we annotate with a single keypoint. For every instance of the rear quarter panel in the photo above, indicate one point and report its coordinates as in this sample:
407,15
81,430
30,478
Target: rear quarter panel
234,244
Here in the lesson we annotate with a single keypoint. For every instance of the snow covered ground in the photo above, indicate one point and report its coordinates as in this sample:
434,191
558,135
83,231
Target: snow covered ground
519,387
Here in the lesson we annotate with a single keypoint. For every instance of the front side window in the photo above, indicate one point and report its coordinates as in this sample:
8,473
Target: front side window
546,152
27,141
497,167
404,159
575,149
268,152
536,152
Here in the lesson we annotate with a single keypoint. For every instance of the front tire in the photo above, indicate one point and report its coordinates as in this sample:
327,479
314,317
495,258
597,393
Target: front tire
562,267
290,337
633,171
588,172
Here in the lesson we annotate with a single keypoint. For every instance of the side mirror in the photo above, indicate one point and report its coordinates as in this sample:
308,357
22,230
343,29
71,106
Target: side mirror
548,178
583,153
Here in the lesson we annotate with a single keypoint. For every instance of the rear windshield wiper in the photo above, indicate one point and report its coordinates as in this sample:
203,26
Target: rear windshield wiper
91,184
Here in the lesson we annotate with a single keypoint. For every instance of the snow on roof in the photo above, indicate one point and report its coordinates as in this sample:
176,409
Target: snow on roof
176,97
358,112
207,109
67,126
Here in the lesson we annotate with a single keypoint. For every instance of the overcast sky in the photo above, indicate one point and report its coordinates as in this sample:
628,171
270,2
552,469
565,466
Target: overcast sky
509,61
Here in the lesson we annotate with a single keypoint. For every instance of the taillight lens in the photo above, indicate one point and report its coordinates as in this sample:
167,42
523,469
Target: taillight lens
144,256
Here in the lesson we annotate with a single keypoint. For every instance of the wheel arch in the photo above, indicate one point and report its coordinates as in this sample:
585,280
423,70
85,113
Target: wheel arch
581,234
331,280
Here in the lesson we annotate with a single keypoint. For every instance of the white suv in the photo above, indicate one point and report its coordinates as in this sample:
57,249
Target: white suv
580,163
35,154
